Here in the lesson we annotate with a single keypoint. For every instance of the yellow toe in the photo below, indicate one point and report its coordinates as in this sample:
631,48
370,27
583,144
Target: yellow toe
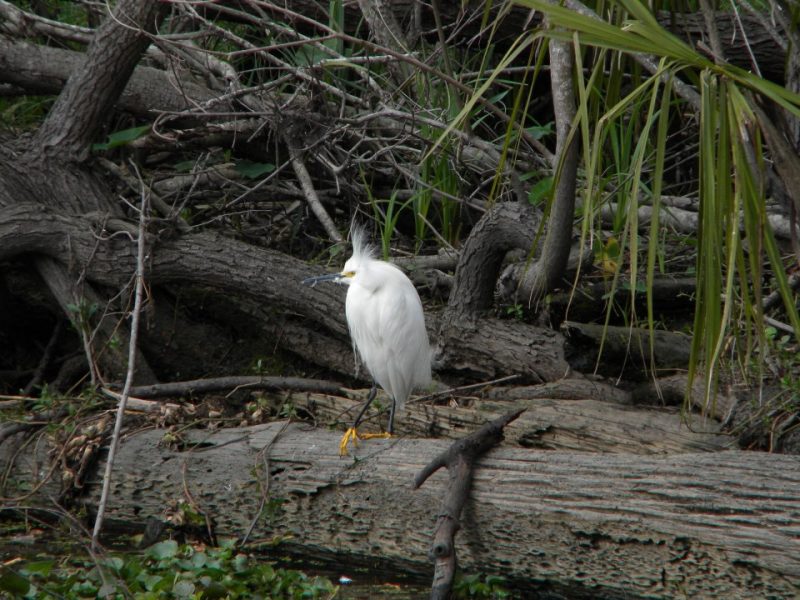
351,435
370,436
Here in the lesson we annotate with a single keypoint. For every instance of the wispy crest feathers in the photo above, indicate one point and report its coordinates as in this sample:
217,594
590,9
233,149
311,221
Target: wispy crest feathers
360,241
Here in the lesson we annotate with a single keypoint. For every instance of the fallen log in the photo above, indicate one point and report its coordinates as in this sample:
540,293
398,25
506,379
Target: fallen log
624,349
577,524
584,424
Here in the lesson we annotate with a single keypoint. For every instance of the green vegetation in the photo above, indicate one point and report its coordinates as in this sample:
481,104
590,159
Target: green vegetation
480,586
165,570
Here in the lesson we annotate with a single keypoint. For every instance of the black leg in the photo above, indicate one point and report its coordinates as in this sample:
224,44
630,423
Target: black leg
370,398
391,417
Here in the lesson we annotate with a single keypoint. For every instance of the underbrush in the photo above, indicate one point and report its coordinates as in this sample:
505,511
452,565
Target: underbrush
164,570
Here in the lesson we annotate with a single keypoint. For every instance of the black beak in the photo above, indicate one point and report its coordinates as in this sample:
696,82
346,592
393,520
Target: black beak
312,281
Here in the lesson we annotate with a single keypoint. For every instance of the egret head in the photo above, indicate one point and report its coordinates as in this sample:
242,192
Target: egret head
356,265
362,255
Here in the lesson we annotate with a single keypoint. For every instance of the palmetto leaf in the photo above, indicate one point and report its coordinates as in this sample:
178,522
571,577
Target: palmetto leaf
731,187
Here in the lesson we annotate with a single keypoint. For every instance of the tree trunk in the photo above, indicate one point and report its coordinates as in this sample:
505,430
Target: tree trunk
569,524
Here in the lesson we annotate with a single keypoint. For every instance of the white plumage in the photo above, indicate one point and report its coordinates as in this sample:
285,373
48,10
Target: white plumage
387,326
387,323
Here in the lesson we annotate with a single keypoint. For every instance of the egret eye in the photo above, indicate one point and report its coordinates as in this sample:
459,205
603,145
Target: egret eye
349,274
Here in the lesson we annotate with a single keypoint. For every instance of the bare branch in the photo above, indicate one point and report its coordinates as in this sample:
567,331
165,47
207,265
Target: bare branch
304,177
132,349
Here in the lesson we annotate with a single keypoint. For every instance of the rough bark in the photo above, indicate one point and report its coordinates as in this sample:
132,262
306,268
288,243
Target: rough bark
59,146
506,226
583,419
44,70
579,525
459,459
548,271
624,349
86,100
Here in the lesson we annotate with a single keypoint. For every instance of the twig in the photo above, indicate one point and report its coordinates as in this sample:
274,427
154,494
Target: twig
137,308
459,459
753,60
713,34
775,297
480,384
215,384
138,404
304,177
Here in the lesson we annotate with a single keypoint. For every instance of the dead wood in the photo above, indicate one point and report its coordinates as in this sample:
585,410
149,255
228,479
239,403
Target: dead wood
62,223
486,347
80,110
624,350
232,383
459,459
686,221
507,226
580,417
586,525
44,70
672,390
672,297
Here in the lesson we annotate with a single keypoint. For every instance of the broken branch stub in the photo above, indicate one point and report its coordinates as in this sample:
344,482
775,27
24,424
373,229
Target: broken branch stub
459,459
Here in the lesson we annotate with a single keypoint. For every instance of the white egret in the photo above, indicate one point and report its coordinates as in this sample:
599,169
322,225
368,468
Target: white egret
387,326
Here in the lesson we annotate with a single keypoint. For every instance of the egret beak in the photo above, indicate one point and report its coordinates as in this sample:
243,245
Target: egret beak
312,281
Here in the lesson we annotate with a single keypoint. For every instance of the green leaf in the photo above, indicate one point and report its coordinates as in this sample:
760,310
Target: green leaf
308,56
13,583
214,590
183,589
162,550
240,563
40,567
121,138
541,191
113,562
537,132
253,170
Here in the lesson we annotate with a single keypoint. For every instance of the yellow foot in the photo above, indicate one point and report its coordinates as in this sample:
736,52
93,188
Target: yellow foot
351,435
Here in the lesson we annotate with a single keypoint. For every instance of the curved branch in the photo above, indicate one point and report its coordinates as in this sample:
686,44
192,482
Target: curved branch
549,270
488,348
86,101
507,226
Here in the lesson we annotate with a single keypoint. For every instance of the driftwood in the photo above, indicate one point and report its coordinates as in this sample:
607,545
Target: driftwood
459,459
576,524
